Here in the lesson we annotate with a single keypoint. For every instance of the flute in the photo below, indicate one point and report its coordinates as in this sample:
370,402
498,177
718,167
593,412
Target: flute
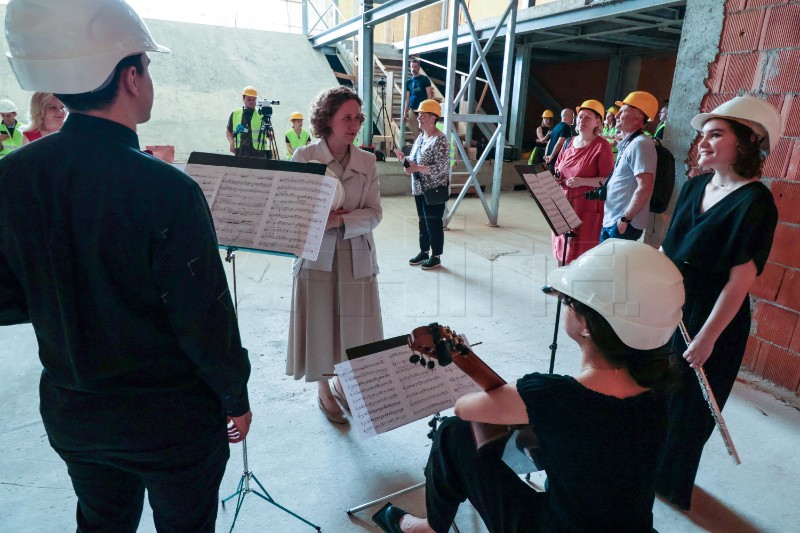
712,402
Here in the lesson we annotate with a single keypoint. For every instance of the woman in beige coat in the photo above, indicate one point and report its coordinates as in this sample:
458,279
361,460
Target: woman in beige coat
335,302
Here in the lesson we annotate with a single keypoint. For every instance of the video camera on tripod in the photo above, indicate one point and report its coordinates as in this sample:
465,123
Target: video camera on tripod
265,107
381,83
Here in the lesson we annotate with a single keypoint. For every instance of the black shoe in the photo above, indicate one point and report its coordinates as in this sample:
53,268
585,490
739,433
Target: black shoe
418,259
433,262
388,518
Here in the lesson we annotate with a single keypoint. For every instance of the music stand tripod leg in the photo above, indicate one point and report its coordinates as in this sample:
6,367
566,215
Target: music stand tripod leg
243,488
554,345
433,425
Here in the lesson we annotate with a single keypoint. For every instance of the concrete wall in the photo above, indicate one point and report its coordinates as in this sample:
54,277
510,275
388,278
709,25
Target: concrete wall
200,83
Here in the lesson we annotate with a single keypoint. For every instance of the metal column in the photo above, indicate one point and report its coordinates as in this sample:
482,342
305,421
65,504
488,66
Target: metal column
516,125
365,73
405,79
502,97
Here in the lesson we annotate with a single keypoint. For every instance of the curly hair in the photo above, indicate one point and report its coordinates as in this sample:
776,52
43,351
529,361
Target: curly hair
749,158
325,105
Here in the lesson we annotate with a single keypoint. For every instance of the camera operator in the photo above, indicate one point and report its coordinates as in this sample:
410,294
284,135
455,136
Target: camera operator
244,128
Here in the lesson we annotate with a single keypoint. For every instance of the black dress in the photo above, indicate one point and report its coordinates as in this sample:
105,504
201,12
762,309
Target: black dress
600,454
705,246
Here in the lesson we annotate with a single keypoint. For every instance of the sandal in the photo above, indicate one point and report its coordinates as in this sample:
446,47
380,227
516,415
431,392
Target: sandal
336,418
339,395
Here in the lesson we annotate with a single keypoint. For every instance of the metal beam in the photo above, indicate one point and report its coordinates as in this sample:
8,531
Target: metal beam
371,17
516,123
635,40
585,15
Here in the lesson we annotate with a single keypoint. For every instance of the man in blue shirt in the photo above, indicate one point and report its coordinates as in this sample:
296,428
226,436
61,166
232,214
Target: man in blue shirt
418,89
558,136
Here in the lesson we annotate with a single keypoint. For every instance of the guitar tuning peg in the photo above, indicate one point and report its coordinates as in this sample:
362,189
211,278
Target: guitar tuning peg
414,359
432,423
431,364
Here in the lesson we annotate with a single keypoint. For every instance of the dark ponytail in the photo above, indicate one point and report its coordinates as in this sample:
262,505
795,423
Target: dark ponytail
653,369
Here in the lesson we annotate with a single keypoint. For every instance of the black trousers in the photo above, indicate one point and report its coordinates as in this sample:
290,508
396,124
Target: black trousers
116,446
456,471
431,228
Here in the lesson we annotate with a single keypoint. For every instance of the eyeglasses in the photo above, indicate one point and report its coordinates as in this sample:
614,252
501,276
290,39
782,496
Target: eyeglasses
566,300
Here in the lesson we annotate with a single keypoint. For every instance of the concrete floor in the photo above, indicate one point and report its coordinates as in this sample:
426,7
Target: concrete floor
488,289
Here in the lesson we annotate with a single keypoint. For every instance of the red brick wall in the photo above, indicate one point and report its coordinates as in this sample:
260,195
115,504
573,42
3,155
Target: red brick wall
760,54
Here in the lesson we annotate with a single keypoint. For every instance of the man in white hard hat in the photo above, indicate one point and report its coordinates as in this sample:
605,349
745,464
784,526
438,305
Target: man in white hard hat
246,131
628,190
111,255
11,136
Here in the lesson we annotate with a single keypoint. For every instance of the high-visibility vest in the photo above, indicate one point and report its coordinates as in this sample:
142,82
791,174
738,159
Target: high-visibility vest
14,141
255,129
296,142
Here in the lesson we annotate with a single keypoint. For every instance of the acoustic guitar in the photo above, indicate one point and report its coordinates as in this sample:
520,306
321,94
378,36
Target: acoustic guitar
446,346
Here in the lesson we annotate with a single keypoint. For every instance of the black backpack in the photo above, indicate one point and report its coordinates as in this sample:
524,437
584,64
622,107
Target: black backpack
664,181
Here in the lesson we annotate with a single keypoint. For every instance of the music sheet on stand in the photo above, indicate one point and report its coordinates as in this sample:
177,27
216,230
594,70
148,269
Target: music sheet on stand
553,201
269,210
385,390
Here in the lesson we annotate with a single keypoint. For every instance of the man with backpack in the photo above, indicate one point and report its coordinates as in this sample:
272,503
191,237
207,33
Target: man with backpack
630,186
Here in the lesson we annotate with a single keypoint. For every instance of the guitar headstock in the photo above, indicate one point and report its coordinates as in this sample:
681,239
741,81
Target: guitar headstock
434,342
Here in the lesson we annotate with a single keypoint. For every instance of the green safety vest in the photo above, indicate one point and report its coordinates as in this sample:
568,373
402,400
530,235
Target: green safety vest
255,128
610,132
296,142
14,141
659,128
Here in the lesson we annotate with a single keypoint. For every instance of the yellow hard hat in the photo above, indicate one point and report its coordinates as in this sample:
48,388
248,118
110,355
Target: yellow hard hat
643,101
547,114
613,110
249,91
593,105
430,106
296,116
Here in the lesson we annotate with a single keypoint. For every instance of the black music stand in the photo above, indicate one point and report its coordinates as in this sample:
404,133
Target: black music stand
560,216
243,489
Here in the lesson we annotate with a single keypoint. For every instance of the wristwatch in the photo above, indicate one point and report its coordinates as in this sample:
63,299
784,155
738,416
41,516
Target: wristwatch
625,220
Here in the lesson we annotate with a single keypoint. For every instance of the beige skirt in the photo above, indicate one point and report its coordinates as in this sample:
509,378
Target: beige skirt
331,312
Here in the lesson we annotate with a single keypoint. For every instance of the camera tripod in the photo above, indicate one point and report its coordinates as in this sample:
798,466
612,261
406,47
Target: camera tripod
266,131
383,118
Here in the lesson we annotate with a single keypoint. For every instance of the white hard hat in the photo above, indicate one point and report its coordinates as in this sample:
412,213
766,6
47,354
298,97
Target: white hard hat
637,289
7,106
755,113
72,47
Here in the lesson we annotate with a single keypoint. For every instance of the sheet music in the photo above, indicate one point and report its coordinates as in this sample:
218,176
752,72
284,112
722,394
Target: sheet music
550,197
385,390
271,210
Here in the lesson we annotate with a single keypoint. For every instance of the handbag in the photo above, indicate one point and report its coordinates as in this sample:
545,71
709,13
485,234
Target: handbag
437,196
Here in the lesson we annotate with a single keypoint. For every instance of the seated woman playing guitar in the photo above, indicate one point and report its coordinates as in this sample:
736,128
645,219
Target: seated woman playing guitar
599,432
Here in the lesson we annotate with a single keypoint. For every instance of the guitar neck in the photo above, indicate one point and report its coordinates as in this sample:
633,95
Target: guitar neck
480,372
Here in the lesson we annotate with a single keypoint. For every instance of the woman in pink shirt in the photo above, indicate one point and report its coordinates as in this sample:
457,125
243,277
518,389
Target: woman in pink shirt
583,165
